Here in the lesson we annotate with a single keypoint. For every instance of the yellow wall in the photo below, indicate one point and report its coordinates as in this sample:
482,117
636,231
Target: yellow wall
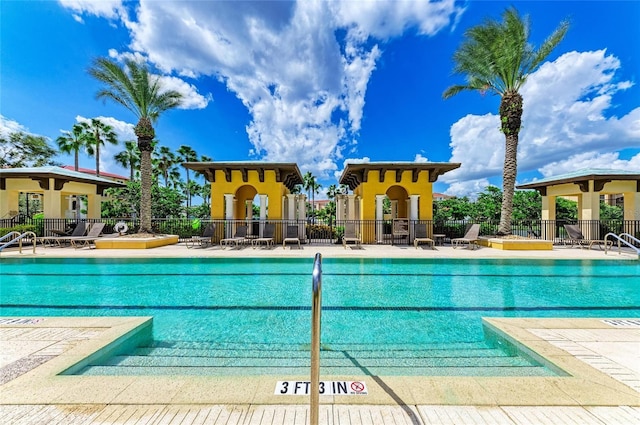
246,190
372,187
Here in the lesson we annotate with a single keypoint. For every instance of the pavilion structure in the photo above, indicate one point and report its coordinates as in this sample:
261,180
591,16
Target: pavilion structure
587,186
408,185
57,187
235,185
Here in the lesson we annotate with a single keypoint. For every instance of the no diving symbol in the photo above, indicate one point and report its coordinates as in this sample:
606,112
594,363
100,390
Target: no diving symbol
357,386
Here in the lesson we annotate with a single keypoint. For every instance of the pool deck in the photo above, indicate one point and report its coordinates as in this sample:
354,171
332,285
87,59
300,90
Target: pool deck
601,357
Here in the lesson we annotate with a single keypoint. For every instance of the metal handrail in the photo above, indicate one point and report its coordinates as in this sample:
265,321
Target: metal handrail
620,238
316,316
8,235
19,239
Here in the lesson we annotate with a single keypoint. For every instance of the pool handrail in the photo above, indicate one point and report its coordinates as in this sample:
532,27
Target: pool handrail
620,238
19,239
316,317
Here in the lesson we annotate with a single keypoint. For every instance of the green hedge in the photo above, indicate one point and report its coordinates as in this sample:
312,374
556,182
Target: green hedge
20,228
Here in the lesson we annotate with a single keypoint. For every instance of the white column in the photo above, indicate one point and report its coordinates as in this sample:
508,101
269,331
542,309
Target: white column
249,213
228,213
413,215
340,204
394,209
263,212
351,207
291,206
302,215
379,218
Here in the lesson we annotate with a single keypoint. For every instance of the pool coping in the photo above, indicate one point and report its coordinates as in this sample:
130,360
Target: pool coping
42,384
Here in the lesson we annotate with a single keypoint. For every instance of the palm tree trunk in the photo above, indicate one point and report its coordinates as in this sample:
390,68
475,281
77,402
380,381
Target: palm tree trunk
511,119
76,162
145,185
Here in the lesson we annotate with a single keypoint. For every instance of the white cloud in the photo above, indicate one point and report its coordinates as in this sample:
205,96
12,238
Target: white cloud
420,158
609,161
8,126
303,85
110,9
470,188
338,173
567,122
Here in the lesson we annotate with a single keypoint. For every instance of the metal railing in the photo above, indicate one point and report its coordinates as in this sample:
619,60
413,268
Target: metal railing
19,239
331,231
620,239
316,318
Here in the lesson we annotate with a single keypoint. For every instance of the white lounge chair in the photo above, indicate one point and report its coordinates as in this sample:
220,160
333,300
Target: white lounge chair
94,233
351,235
470,238
267,236
421,236
205,239
292,236
240,237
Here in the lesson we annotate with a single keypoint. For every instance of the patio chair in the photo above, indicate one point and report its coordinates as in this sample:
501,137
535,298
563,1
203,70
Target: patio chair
292,236
421,236
240,237
400,229
351,235
267,236
94,233
470,238
205,239
577,238
79,230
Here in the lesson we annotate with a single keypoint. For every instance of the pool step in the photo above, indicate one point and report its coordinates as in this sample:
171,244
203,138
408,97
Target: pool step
473,359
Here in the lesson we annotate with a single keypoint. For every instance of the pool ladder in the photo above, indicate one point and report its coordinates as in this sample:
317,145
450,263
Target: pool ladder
17,237
316,316
620,239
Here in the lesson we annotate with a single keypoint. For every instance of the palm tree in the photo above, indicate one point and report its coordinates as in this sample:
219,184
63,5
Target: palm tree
129,157
142,94
187,154
166,163
99,132
74,140
497,57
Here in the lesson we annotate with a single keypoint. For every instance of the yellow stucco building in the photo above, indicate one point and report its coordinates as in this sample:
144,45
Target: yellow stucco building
408,185
586,186
56,186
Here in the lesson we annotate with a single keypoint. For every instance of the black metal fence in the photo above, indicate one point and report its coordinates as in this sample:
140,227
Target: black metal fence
314,231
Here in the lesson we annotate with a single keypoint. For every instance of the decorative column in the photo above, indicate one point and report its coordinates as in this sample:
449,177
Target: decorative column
52,201
379,218
631,212
228,213
340,207
263,212
413,215
302,215
248,205
589,209
351,207
94,206
548,227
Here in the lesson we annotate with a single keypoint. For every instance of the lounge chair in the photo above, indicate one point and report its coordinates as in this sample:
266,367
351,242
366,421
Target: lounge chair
421,236
94,233
292,236
240,237
351,235
267,236
577,238
470,238
205,239
78,231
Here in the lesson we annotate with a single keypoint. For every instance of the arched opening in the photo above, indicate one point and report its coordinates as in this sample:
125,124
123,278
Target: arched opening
398,198
245,196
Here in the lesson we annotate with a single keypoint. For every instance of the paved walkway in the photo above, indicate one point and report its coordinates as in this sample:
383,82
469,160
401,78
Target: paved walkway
602,358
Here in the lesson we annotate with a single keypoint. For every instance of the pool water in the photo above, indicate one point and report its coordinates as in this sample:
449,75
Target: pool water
380,316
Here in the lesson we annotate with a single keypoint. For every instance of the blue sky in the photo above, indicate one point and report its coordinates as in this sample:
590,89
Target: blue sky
324,83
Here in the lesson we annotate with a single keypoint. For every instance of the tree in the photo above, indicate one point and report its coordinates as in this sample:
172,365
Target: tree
497,57
141,94
25,150
74,140
129,157
187,154
123,202
98,133
166,162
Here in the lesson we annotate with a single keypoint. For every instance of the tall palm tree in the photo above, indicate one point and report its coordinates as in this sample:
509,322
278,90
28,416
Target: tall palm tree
99,133
74,140
129,157
497,57
187,154
142,94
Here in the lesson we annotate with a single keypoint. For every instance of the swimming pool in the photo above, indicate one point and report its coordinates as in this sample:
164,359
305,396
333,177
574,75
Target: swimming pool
380,316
